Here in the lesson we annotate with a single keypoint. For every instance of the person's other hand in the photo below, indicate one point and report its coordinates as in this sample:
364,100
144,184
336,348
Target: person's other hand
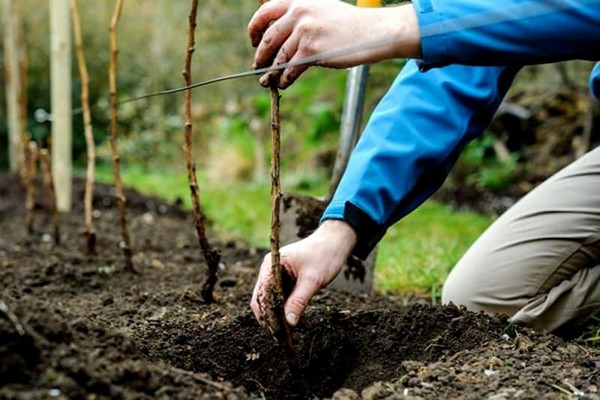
291,30
311,263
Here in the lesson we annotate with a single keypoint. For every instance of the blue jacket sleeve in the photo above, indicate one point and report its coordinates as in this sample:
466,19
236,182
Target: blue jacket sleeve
595,81
480,32
411,141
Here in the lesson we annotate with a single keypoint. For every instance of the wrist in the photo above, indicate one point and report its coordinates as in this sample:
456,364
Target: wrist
398,27
340,233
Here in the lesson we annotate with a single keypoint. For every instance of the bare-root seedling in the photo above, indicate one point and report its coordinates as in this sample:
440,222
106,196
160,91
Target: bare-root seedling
31,157
89,235
46,164
125,244
24,75
276,298
211,256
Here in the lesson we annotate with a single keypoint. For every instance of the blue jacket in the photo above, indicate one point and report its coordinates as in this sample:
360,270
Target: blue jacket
471,50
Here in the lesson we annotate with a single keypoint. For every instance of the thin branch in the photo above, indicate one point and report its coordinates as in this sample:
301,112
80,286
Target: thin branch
211,256
282,330
46,164
283,333
32,157
23,74
89,235
112,78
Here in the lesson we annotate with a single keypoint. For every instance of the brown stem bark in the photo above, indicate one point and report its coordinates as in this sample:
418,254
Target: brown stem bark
211,257
46,164
282,330
24,69
89,235
283,333
31,157
112,78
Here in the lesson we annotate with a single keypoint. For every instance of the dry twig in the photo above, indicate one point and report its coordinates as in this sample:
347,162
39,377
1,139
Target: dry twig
46,164
276,301
89,235
211,257
112,78
23,74
31,157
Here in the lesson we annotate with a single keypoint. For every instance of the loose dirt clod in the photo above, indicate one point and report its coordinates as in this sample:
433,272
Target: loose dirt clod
104,333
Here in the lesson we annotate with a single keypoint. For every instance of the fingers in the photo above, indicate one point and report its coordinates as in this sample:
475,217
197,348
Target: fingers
259,23
277,44
261,19
306,287
287,54
292,73
261,283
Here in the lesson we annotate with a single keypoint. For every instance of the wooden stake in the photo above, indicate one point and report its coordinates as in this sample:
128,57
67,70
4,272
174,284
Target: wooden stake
46,164
211,256
61,101
112,78
32,157
276,302
89,235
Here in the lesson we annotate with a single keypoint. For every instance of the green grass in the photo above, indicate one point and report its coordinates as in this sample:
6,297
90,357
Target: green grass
418,252
240,211
415,255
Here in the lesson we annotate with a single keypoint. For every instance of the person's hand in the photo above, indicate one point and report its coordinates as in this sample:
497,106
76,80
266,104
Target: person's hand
291,30
311,264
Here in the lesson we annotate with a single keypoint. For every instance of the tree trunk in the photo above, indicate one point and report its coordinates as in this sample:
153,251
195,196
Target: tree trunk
60,69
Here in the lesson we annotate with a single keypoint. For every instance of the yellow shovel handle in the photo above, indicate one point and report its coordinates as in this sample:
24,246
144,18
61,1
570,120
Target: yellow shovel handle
368,3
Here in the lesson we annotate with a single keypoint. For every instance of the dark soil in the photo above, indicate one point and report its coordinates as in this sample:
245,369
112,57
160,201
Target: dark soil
74,326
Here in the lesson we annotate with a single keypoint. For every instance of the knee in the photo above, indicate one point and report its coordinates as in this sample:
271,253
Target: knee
478,290
459,290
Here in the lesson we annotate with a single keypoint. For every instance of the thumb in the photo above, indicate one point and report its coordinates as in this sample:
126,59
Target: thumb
299,298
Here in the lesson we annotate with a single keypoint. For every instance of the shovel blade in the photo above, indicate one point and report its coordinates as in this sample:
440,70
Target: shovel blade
300,217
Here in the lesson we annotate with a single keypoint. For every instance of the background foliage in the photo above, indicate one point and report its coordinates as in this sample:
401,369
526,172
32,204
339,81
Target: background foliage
231,128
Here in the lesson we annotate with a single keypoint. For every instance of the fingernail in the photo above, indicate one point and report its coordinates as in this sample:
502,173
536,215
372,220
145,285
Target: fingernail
292,318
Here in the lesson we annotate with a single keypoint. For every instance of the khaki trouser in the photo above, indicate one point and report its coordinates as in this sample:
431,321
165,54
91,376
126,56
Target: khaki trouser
540,261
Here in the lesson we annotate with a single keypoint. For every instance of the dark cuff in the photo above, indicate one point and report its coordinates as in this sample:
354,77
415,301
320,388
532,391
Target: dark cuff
368,232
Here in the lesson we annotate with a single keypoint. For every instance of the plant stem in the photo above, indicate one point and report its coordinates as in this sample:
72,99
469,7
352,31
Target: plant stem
283,333
46,164
211,257
23,74
32,157
282,330
112,78
89,235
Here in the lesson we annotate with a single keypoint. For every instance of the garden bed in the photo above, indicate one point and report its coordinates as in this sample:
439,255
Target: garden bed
81,327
